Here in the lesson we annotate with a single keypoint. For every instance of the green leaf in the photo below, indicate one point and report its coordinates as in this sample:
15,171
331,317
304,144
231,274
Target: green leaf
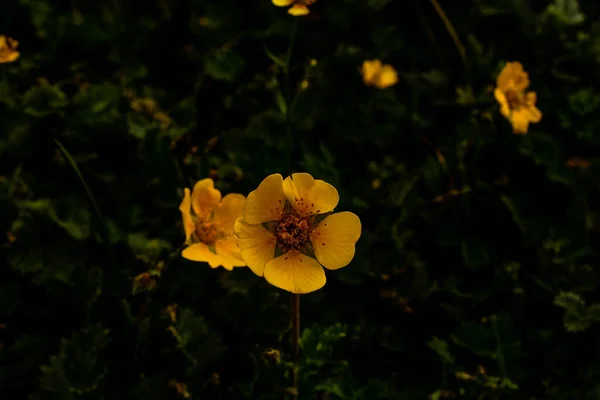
475,254
442,349
275,59
566,12
77,368
593,312
199,344
514,211
145,248
43,100
70,213
224,65
570,301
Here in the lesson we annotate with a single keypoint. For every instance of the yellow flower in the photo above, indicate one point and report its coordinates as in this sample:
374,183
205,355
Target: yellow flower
515,104
8,49
282,231
298,7
377,74
208,223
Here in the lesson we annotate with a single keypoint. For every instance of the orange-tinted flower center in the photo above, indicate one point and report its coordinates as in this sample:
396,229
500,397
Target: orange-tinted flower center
513,99
292,231
207,231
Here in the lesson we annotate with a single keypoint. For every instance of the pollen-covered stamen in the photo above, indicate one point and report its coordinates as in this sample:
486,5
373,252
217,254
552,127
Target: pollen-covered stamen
293,232
207,231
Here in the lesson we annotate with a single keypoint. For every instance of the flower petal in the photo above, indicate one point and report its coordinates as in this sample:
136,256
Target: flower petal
501,98
298,10
282,3
205,197
230,209
266,202
369,70
201,252
186,207
519,121
387,77
514,76
334,238
257,245
229,251
310,196
535,115
295,273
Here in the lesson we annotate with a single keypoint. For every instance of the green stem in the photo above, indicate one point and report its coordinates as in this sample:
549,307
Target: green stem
91,198
452,32
295,342
289,102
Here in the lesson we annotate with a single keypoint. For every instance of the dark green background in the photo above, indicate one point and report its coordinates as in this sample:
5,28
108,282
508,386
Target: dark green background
501,276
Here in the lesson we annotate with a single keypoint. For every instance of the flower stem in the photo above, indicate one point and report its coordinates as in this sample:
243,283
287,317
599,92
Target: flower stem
292,150
295,342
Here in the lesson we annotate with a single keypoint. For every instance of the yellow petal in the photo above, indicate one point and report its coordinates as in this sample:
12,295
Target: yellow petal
200,252
257,245
501,99
309,196
185,207
266,202
230,209
369,70
513,75
298,10
534,114
387,77
229,251
334,238
282,3
520,121
205,197
295,273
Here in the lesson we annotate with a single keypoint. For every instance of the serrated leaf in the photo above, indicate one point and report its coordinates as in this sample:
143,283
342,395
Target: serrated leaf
77,368
570,301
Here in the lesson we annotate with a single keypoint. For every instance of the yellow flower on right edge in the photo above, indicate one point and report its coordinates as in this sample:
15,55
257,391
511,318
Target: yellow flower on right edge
516,105
8,49
377,74
298,7
283,236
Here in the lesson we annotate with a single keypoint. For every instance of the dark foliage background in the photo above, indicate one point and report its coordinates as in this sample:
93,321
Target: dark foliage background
475,276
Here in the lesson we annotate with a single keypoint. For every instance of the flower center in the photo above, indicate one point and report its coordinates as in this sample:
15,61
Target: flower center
513,99
292,232
206,231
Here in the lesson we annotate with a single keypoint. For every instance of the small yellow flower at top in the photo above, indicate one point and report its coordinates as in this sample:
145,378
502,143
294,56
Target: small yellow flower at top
377,74
208,222
515,104
284,237
8,49
298,7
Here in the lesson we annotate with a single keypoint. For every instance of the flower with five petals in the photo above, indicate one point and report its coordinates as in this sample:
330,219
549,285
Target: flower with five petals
287,232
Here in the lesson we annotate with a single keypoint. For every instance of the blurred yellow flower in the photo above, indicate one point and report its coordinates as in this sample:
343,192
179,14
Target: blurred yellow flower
377,74
298,7
284,237
208,223
8,49
515,104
